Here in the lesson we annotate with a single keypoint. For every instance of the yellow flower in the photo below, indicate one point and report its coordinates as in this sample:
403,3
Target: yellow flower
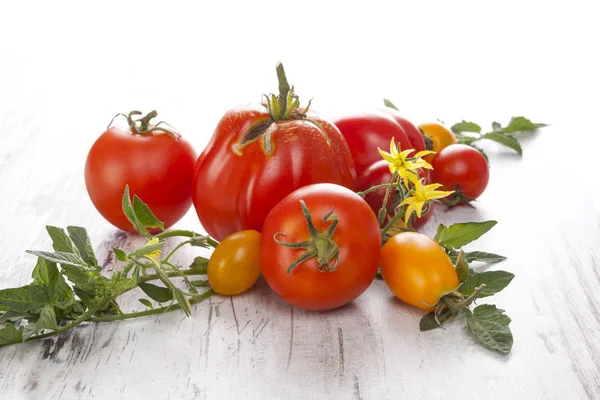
155,255
421,195
402,164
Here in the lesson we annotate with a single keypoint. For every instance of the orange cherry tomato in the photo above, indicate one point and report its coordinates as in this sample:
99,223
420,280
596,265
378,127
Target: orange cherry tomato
440,136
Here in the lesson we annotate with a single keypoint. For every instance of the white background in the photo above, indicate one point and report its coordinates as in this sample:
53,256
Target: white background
66,69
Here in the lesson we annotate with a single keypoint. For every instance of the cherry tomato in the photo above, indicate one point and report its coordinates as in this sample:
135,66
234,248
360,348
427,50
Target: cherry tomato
257,157
379,173
462,168
157,166
366,131
441,137
417,269
234,265
328,278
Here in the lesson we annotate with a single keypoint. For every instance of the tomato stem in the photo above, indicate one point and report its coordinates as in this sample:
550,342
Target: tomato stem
142,126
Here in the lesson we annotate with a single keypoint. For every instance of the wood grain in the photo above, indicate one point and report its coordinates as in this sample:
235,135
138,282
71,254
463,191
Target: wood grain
63,78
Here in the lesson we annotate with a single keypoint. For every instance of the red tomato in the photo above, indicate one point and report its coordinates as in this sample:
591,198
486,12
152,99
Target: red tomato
318,283
379,173
255,159
158,167
462,168
368,130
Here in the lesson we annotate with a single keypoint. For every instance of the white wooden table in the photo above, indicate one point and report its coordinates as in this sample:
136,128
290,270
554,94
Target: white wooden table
66,70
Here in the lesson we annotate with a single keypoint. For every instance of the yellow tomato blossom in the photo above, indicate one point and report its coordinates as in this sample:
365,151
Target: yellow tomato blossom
155,255
420,195
404,165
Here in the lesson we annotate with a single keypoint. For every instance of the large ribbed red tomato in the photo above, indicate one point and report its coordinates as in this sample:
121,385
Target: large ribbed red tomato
258,155
368,130
156,163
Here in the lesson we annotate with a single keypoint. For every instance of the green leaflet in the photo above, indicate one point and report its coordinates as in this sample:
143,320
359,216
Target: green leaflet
46,320
460,234
157,293
489,325
82,242
495,281
61,242
10,335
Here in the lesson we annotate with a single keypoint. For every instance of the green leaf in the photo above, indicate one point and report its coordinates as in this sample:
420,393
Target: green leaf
60,258
13,316
462,267
465,126
146,302
61,242
495,281
157,293
483,257
389,104
11,335
183,301
46,274
429,323
147,249
26,299
87,298
199,264
496,126
505,139
464,139
130,214
88,281
120,254
460,234
47,320
489,325
82,242
144,215
521,124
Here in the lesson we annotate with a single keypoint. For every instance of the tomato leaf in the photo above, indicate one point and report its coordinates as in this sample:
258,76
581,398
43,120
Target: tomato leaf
506,139
82,242
130,214
60,258
521,124
465,126
144,215
120,254
462,266
46,274
61,242
389,104
489,325
429,323
496,126
465,139
24,299
146,302
460,234
199,264
10,335
495,281
483,257
46,320
157,293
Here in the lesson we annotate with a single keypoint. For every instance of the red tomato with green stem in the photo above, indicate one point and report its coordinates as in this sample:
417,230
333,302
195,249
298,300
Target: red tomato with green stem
379,174
154,160
366,131
320,247
259,155
463,169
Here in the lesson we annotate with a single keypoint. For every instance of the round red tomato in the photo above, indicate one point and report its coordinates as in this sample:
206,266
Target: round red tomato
367,131
257,156
461,168
340,243
379,173
157,165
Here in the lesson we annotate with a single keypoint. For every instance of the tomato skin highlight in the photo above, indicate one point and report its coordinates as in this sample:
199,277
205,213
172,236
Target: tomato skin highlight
379,173
417,269
156,167
357,235
459,164
236,187
441,137
368,130
234,267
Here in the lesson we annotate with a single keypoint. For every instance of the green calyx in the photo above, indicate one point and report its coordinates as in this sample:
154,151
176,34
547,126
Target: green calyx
285,106
319,244
142,125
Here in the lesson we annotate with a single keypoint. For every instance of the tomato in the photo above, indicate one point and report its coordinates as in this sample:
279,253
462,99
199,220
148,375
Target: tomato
255,158
158,167
440,136
366,131
327,279
379,173
462,168
417,269
234,265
